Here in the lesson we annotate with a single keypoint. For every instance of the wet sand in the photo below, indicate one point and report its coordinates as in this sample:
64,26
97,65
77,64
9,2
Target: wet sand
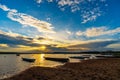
100,69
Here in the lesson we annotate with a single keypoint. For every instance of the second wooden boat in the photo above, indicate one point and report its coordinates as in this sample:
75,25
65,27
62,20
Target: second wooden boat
57,59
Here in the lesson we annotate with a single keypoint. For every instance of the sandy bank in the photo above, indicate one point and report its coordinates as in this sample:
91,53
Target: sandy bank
104,69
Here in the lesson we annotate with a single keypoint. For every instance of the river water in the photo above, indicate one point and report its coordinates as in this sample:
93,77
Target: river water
10,64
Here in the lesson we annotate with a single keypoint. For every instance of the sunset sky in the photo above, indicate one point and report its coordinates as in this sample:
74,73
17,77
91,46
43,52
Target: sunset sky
59,25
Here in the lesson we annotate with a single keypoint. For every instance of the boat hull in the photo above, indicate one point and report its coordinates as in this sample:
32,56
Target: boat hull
28,60
57,59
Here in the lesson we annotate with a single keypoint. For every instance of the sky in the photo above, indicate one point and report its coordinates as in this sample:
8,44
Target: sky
59,25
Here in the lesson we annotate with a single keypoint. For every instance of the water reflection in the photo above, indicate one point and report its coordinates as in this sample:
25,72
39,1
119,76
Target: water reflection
39,59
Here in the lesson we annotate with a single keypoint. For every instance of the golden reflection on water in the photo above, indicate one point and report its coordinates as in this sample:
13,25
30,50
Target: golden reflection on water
39,59
42,57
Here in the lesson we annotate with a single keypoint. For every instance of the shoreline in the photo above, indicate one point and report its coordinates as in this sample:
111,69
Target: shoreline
95,69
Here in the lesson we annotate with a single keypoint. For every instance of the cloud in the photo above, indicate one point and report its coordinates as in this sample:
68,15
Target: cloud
15,42
28,20
4,7
93,32
17,39
9,33
85,8
61,36
13,39
73,4
90,15
69,32
115,46
79,33
3,45
48,19
65,2
96,45
98,31
39,1
50,0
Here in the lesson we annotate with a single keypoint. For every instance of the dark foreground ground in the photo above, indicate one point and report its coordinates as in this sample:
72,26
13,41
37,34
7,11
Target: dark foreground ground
104,69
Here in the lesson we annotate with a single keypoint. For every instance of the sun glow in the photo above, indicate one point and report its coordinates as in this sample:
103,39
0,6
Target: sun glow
43,48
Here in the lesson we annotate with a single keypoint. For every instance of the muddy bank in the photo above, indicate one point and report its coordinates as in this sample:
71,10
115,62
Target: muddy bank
101,69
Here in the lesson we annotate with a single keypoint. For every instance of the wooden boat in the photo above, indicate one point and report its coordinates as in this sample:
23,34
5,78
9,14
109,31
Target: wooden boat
79,57
57,59
28,59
